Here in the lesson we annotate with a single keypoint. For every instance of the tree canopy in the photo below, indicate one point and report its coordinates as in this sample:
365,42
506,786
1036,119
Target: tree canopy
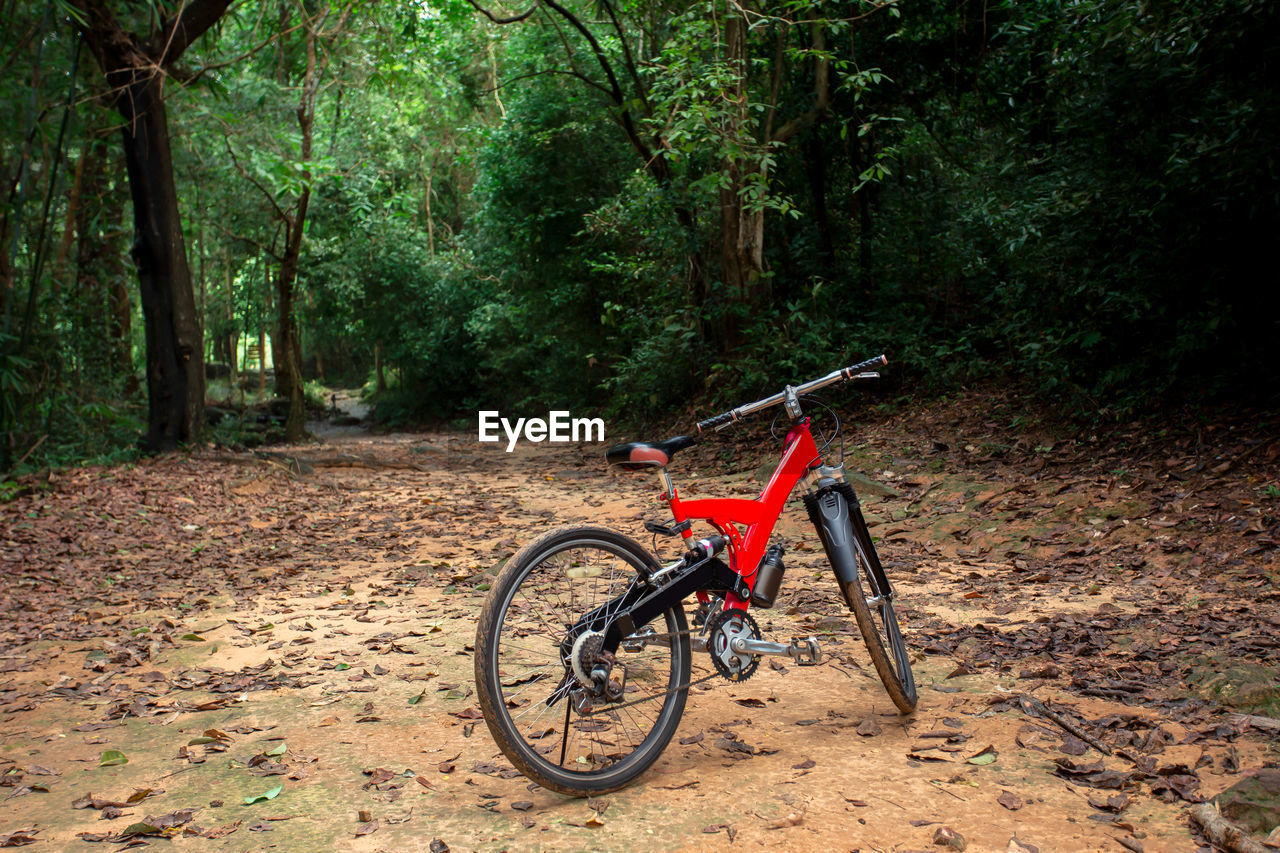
624,205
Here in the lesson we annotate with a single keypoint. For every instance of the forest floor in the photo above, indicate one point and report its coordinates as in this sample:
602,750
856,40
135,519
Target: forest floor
277,644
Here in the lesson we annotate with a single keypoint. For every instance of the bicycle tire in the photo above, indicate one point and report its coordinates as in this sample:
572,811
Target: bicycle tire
884,639
528,603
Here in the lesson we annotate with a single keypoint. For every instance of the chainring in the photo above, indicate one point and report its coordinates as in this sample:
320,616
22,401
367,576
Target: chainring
723,627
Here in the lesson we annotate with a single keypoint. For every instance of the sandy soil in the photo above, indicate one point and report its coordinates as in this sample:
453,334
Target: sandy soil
233,623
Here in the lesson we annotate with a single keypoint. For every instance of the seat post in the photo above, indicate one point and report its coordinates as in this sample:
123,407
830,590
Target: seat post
673,502
669,487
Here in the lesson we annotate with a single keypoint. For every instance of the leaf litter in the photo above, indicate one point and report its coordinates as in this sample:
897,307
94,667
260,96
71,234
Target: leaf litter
1103,577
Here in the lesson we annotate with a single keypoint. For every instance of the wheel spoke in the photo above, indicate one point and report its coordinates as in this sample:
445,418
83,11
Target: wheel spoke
543,594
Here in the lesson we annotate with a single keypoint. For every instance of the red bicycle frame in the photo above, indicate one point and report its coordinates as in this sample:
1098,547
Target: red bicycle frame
758,515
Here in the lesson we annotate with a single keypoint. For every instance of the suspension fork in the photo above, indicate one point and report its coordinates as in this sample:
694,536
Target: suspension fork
837,516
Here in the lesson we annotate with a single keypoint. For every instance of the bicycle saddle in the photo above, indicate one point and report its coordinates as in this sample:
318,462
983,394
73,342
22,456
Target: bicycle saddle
635,455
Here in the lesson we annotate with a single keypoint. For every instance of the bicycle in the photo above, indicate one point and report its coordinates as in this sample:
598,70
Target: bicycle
582,692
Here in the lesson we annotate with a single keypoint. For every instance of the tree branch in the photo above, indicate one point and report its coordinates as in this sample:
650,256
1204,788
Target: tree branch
284,217
628,59
628,124
577,75
512,20
227,232
821,89
191,22
214,66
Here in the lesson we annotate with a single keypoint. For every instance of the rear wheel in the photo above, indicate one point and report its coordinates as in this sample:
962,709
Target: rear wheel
567,713
871,600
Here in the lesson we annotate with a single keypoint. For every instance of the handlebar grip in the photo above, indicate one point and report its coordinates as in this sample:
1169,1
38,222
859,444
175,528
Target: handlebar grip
878,361
718,420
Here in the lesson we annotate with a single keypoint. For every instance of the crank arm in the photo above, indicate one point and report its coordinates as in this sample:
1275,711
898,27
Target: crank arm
804,651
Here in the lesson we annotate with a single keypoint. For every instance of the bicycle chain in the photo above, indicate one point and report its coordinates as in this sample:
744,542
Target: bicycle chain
664,695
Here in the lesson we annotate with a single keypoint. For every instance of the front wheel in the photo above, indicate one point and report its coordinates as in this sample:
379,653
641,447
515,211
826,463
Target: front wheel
871,600
568,713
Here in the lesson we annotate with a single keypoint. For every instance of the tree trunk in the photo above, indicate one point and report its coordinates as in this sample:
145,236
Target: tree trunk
286,352
735,264
864,222
289,354
815,167
426,204
233,340
121,309
72,216
380,383
742,221
134,69
92,267
175,349
311,310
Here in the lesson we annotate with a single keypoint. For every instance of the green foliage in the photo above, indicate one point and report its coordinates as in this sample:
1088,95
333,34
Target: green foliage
1089,177
1075,196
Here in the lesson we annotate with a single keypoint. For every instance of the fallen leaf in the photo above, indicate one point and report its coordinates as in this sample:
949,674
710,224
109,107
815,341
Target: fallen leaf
1009,800
221,831
113,758
945,836
792,819
261,798
986,756
19,837
89,801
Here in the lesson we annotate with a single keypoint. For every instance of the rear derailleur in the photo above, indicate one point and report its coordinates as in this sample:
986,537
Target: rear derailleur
594,668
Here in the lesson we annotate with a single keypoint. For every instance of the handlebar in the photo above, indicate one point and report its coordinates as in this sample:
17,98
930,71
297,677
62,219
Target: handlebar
844,374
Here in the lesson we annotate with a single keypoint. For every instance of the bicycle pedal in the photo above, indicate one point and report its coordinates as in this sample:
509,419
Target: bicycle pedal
667,530
805,651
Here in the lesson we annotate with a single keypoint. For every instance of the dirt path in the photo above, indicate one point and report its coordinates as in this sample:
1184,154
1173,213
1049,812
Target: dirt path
237,626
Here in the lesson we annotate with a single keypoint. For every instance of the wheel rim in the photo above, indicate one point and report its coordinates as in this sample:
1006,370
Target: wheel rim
880,605
529,666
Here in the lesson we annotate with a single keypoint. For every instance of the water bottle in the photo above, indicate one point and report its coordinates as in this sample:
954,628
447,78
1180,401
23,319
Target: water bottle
768,577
